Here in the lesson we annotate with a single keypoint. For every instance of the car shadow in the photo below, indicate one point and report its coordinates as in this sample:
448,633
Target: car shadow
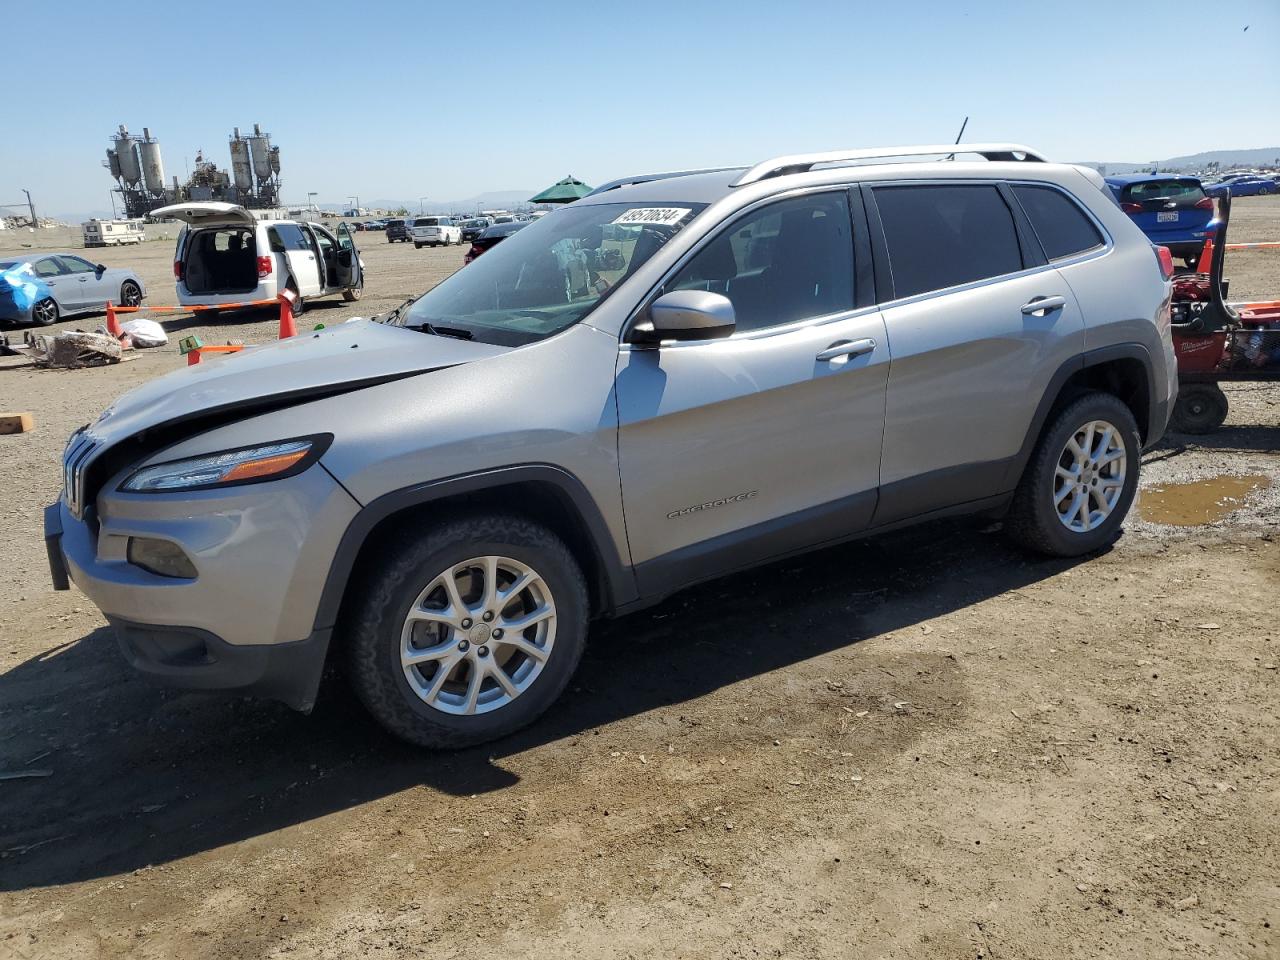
141,775
1234,438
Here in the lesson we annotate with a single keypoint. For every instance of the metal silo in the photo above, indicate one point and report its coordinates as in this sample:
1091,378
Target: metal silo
127,156
260,150
113,163
152,164
240,166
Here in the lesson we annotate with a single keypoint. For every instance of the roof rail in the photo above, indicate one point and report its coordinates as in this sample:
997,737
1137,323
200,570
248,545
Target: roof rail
649,177
802,162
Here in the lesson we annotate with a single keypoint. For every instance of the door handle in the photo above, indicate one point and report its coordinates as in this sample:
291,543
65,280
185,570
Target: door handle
847,348
1039,306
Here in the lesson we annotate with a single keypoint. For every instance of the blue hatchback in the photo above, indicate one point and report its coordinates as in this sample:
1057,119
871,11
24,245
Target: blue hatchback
1172,211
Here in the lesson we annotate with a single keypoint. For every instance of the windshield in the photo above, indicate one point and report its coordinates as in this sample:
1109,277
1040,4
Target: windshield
549,275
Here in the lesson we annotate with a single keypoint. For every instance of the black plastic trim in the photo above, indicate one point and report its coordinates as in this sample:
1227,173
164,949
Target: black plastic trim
942,489
864,274
53,547
760,543
195,659
616,581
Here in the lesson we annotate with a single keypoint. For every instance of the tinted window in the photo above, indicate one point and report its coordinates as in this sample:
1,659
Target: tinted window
288,236
1180,191
427,222
48,267
944,236
78,265
1062,227
785,262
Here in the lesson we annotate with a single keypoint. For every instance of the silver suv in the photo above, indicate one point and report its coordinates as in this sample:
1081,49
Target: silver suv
679,376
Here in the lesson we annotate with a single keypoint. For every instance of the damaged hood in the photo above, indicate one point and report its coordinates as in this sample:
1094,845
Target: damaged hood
346,357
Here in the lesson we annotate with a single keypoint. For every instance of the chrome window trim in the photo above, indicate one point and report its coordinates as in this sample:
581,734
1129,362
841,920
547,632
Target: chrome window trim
1092,253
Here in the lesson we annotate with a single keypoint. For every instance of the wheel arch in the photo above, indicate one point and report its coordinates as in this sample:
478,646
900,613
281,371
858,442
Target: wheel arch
540,492
1122,369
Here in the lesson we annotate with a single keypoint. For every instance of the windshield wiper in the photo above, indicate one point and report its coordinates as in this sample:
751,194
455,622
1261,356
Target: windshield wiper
456,332
393,316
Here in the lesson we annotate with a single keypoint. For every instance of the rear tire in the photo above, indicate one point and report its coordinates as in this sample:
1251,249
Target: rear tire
411,698
1070,503
1200,408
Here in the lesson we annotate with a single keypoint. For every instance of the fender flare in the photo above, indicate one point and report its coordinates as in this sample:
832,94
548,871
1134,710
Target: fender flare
616,581
1157,410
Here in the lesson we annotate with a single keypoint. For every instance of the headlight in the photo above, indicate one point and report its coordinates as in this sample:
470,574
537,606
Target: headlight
272,461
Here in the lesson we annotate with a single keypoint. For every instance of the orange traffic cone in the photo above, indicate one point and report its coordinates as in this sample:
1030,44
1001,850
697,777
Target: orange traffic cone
1205,263
113,326
287,327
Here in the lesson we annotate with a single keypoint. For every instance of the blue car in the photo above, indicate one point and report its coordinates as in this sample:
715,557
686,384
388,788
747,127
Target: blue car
1245,185
1173,211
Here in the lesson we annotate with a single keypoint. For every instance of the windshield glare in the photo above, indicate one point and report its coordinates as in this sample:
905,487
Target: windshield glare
550,274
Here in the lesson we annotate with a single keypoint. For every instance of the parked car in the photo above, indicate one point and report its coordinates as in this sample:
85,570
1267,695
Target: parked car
399,231
773,360
435,231
491,237
1173,211
1246,185
375,225
61,285
227,256
354,226
471,229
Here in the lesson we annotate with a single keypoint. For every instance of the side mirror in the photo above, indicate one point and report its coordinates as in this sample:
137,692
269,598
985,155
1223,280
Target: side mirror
686,315
101,268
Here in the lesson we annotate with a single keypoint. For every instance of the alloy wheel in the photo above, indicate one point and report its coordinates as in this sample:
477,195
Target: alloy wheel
45,312
130,295
1090,476
478,635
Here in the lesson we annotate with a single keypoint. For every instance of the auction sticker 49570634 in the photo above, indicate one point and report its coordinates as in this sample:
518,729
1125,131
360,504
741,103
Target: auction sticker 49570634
654,216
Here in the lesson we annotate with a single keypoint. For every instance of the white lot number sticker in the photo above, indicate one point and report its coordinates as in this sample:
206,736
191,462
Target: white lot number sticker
654,216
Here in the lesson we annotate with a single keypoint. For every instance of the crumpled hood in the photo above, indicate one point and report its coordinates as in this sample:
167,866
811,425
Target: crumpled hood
347,356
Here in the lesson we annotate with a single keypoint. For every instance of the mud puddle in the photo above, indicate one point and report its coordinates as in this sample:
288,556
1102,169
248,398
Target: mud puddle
1200,502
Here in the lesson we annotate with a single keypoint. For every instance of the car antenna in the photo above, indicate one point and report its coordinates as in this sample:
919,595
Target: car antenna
952,156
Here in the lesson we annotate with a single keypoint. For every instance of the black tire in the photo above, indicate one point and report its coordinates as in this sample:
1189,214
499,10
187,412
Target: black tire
417,246
1200,408
352,294
299,303
1033,519
387,592
1263,191
45,312
130,294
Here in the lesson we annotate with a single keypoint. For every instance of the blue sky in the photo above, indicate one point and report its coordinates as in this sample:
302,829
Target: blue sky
445,100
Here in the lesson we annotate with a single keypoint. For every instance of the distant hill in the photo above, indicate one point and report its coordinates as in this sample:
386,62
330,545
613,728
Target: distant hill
1261,156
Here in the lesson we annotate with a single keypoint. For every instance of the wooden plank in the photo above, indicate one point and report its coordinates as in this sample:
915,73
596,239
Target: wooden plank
17,422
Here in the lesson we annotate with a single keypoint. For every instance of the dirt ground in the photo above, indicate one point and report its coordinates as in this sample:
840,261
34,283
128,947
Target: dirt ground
924,745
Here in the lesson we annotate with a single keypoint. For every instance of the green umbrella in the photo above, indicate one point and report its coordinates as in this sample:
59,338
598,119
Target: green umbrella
566,191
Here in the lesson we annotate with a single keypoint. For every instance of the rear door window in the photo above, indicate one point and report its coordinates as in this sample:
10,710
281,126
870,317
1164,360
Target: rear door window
943,236
785,262
48,267
1059,223
288,236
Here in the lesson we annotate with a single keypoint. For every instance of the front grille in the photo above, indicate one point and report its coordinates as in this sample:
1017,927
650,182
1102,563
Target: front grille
80,450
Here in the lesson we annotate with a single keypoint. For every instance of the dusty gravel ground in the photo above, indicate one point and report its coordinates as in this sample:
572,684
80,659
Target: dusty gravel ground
926,745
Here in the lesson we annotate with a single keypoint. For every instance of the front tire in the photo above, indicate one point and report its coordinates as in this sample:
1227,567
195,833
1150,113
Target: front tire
1080,481
352,294
469,632
417,246
45,312
130,294
1200,408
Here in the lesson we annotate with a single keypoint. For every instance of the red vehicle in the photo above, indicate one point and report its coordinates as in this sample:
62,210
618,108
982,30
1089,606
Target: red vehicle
1216,341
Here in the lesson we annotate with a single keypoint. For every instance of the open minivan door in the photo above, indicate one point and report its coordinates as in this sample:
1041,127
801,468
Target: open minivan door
202,213
350,269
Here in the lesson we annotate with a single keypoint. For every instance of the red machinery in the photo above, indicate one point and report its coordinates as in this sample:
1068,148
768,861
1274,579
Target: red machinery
1216,341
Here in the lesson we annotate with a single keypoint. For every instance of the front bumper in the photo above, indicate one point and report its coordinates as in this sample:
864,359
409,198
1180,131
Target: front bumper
247,622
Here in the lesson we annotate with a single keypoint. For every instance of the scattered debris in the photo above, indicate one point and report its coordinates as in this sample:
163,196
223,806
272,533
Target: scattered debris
17,422
1186,903
74,349
1208,626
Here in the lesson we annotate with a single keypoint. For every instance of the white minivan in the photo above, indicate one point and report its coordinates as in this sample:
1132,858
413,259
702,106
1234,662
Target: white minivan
435,231
227,255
